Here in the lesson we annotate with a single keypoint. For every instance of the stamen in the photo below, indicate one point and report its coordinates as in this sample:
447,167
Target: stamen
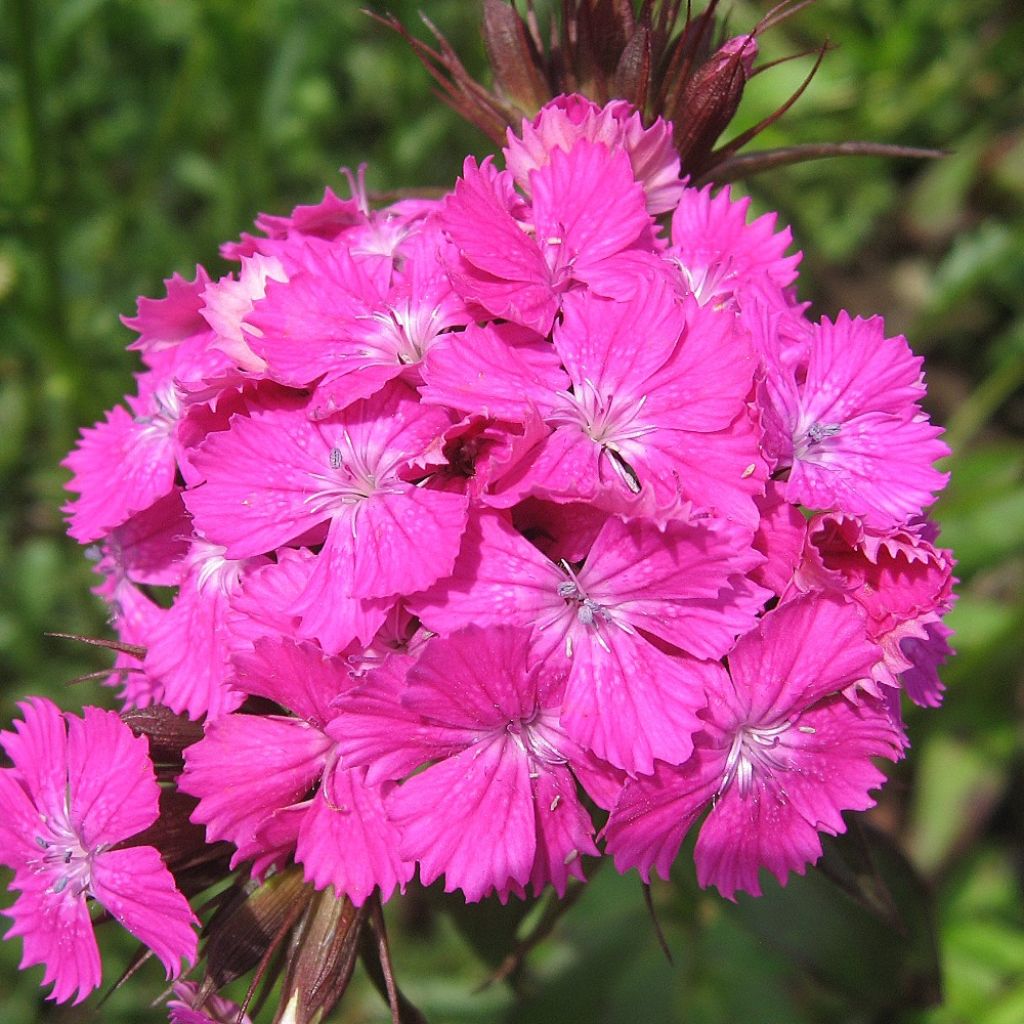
817,432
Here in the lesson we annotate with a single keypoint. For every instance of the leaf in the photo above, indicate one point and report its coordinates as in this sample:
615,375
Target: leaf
870,938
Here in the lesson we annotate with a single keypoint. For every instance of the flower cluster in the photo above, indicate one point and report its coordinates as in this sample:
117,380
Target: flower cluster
491,534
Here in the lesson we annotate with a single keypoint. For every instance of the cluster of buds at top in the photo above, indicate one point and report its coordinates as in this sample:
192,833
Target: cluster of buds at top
659,57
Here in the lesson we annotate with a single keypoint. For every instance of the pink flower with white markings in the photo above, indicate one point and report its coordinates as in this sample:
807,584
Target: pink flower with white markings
497,808
781,756
78,789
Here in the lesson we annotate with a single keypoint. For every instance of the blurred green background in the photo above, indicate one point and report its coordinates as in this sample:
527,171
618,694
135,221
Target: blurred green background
139,134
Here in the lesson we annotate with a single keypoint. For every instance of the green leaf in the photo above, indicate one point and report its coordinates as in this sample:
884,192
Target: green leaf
882,959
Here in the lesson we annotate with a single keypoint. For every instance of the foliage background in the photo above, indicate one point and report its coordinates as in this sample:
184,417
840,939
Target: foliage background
139,134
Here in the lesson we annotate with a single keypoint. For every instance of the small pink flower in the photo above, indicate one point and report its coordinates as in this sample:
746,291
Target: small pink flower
783,754
497,808
79,788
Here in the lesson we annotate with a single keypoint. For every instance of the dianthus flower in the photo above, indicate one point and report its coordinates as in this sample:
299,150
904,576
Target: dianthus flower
79,789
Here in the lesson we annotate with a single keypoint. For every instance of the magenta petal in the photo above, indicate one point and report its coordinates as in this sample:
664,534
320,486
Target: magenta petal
648,824
18,819
499,578
743,834
405,541
683,583
38,748
121,467
565,833
260,476
298,677
630,703
139,891
478,371
476,679
57,932
193,676
587,203
498,265
247,767
801,651
113,791
470,818
347,841
374,727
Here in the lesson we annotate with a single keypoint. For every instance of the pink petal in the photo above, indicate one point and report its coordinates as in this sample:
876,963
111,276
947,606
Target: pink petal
260,475
57,932
498,265
299,677
498,578
112,787
564,831
120,467
247,767
653,815
406,541
684,583
630,703
801,651
38,749
347,841
470,818
479,371
589,199
139,891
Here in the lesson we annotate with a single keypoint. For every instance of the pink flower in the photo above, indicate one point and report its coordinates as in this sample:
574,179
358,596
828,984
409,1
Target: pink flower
253,775
516,260
497,808
275,476
782,755
79,788
618,125
723,259
851,431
